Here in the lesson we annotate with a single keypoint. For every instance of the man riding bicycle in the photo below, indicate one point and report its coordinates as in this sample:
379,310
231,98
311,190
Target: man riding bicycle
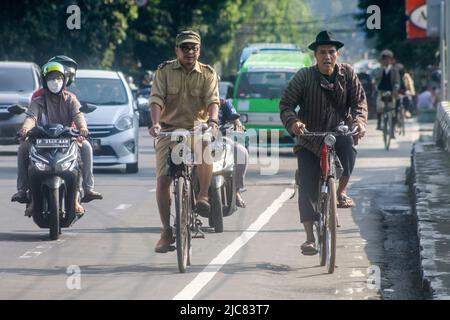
387,79
184,92
326,94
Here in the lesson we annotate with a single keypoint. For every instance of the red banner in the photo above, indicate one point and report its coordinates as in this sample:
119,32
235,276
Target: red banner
416,26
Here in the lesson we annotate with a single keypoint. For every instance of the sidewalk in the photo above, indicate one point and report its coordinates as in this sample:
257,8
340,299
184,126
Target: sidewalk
430,190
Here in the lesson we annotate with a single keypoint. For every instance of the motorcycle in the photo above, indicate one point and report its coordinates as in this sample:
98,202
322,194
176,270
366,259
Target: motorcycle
222,190
54,173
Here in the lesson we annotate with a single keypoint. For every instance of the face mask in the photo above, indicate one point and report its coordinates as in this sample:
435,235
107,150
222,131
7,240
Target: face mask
55,85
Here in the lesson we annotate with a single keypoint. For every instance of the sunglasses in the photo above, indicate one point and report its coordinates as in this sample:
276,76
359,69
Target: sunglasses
187,49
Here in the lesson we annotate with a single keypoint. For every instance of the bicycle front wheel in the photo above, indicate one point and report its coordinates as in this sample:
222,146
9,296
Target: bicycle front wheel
330,225
182,223
387,130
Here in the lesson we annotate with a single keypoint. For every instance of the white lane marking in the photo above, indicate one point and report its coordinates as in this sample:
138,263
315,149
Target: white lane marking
202,279
151,190
123,206
40,249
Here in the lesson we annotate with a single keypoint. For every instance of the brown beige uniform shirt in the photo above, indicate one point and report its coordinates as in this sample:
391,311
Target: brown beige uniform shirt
184,96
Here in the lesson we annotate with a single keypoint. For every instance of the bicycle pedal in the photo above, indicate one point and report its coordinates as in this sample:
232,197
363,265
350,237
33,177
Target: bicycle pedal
199,235
172,248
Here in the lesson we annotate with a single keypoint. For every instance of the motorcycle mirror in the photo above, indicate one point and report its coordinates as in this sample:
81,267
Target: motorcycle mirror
88,107
243,117
142,102
17,109
234,117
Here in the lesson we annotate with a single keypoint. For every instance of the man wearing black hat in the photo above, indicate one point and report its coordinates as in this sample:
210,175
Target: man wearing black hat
327,94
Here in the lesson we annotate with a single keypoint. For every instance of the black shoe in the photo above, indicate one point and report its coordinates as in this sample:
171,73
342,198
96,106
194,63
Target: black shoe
91,195
20,196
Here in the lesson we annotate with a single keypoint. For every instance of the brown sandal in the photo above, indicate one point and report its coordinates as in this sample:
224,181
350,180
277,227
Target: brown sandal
308,248
344,201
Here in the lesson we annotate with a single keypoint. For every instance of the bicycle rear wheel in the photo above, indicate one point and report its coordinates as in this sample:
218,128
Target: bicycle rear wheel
401,121
182,223
330,223
387,130
319,227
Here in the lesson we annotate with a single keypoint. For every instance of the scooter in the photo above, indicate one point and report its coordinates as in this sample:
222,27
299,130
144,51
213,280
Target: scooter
54,173
222,190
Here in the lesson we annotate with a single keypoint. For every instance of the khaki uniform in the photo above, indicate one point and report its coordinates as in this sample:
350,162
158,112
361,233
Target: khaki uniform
184,98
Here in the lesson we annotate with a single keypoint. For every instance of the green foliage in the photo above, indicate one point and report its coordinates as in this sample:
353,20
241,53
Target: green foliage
118,34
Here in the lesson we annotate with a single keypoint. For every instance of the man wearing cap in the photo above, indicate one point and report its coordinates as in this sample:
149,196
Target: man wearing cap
184,92
327,94
386,79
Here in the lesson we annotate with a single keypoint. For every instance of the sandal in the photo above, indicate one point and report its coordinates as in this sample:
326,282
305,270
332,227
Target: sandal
308,248
344,201
239,201
79,211
203,206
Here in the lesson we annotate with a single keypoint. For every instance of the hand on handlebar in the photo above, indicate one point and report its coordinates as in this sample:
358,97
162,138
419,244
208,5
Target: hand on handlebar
154,130
298,128
360,130
84,132
22,133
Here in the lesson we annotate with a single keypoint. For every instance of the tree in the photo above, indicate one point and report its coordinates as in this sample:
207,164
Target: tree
35,31
392,35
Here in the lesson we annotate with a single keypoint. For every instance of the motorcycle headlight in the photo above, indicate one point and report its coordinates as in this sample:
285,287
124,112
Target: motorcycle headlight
41,166
330,140
124,123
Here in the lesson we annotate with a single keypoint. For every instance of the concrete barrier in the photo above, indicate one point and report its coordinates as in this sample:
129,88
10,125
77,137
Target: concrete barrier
441,131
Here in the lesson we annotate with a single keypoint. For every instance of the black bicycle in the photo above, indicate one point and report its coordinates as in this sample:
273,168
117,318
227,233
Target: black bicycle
388,118
186,224
331,171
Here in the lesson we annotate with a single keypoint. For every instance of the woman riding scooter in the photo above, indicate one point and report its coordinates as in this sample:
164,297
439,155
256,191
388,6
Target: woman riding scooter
54,105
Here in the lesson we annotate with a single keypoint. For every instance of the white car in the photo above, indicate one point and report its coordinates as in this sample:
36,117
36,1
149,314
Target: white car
114,126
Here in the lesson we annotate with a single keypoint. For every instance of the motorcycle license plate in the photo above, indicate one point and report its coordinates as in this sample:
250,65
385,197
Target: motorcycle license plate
52,143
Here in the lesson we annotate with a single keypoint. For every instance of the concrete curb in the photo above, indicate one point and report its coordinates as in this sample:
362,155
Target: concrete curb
429,213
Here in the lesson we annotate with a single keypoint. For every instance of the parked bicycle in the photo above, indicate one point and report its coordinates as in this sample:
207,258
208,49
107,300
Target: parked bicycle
331,171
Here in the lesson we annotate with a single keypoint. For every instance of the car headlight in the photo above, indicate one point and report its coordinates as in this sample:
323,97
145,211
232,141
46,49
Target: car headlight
41,166
66,165
124,123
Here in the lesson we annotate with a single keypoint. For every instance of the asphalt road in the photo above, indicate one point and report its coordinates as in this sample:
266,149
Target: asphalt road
109,253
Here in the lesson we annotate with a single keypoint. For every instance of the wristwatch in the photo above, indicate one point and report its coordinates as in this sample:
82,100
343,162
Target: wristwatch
213,120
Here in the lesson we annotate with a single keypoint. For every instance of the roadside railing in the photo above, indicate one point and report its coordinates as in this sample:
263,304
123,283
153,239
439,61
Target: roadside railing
441,130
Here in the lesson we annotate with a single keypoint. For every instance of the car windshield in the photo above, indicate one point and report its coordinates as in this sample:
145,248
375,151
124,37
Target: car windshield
99,91
16,79
265,85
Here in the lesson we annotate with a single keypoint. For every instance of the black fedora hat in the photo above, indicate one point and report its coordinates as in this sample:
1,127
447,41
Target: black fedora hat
325,38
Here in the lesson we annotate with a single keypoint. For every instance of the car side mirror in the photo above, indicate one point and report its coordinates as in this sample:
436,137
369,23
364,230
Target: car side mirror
88,107
17,109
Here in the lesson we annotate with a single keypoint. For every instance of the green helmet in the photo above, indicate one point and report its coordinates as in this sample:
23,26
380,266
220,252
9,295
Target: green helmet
52,67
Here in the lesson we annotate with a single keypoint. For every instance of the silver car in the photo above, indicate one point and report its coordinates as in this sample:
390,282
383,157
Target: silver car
114,126
18,81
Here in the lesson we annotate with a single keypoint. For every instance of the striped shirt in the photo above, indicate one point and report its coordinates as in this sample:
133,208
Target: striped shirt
306,90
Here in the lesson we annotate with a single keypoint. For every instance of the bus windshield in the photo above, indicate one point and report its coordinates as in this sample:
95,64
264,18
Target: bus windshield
264,85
